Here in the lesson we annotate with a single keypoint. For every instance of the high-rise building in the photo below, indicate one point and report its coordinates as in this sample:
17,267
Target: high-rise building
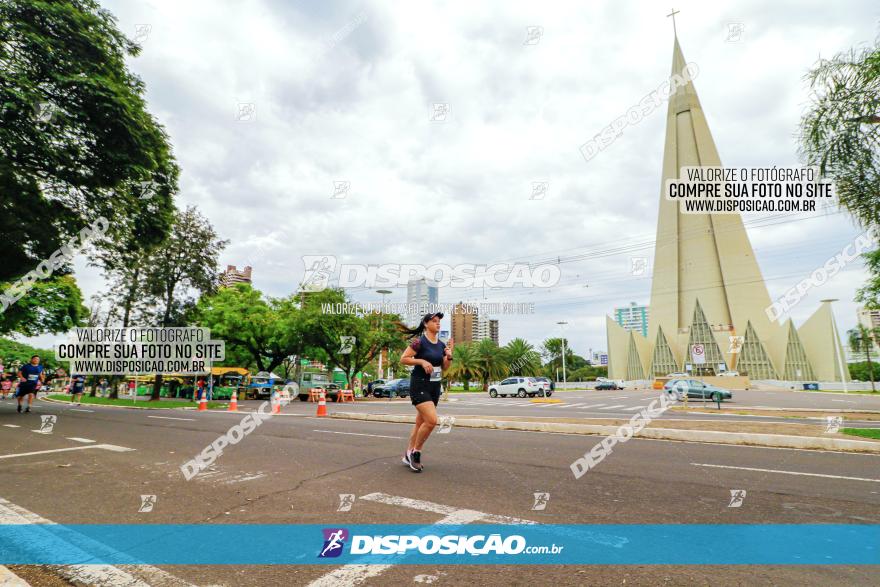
421,295
493,330
722,306
633,317
464,322
870,319
232,276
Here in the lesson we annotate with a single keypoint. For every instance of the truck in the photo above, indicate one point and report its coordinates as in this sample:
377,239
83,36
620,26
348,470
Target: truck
312,380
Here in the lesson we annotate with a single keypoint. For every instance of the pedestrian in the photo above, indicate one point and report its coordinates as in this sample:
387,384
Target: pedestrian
103,386
77,387
430,357
6,387
30,376
131,390
201,389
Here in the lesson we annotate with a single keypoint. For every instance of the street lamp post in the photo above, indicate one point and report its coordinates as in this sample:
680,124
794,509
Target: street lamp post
564,378
384,292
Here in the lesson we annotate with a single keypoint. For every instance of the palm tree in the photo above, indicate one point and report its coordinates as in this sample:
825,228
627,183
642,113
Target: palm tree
491,362
465,365
862,340
522,359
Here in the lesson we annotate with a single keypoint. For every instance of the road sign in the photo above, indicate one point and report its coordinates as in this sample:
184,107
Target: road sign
698,354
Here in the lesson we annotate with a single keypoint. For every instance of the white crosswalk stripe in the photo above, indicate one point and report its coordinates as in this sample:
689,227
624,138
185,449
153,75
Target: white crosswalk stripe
591,406
615,407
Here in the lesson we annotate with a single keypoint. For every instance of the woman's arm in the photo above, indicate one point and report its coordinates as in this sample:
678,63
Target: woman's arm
409,358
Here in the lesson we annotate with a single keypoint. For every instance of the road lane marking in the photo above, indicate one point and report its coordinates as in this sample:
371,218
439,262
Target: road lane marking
634,408
12,426
89,574
110,447
81,410
439,508
172,418
83,440
614,407
591,406
356,574
358,434
787,472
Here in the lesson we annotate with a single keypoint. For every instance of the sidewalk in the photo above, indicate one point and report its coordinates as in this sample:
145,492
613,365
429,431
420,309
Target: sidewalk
10,579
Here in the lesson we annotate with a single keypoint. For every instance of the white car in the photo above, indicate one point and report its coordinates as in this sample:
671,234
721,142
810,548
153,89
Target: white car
729,374
520,387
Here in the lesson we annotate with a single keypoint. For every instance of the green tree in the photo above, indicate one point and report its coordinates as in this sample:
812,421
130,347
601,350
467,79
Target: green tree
347,341
551,351
521,358
76,138
465,364
859,371
840,132
491,363
265,330
862,340
14,353
51,305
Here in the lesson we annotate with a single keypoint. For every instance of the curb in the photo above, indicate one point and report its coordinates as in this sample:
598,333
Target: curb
58,401
10,579
708,436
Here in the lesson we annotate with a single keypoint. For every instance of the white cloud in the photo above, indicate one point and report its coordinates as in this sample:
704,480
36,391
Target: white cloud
344,91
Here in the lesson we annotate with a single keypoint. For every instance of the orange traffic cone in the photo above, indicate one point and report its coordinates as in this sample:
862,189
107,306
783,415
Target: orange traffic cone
322,404
276,405
203,402
233,403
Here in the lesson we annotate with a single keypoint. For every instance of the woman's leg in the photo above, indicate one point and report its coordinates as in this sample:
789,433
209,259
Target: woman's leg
429,419
415,431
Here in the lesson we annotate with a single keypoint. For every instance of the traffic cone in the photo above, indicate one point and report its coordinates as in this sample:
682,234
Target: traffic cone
203,402
276,405
322,404
233,403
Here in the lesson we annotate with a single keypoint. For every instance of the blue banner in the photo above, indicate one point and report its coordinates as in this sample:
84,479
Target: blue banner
471,544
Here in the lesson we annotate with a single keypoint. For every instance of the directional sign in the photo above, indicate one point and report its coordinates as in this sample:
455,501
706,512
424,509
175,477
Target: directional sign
698,354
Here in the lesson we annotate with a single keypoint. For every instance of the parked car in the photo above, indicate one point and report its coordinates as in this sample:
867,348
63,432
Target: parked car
393,388
520,387
372,384
695,389
547,380
607,384
729,374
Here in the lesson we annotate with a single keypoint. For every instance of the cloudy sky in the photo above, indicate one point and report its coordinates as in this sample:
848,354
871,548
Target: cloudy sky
345,92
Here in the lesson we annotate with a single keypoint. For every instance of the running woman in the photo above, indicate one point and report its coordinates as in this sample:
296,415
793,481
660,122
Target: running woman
430,357
30,375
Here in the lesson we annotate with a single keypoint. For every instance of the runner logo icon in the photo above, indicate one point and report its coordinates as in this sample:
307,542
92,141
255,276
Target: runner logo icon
334,542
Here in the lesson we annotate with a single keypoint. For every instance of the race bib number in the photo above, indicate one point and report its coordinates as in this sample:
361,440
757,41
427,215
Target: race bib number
437,374
33,377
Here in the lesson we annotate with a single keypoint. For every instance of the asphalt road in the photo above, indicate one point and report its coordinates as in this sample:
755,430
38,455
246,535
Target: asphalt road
293,468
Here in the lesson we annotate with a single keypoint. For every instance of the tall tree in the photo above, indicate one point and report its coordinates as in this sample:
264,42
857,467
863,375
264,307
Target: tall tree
465,365
521,358
863,340
75,133
491,363
183,265
348,341
263,329
840,132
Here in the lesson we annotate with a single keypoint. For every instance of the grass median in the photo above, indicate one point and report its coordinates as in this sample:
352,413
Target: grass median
873,433
143,403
